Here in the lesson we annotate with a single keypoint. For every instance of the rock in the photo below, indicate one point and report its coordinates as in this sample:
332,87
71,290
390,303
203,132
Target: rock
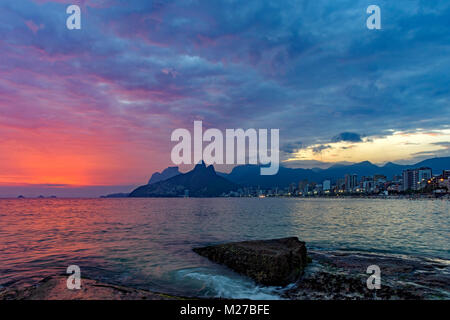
341,275
276,262
55,288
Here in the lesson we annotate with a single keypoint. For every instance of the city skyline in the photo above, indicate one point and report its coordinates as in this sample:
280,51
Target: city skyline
93,109
370,179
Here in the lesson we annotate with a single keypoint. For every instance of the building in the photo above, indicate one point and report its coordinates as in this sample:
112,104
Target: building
354,181
409,180
351,182
368,186
394,187
302,186
425,174
441,181
340,185
379,178
416,179
445,174
326,185
292,189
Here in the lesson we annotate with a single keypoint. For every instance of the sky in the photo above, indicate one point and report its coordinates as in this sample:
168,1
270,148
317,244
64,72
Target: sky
93,109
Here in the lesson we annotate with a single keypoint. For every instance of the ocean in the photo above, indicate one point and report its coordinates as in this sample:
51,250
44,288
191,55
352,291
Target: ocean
147,243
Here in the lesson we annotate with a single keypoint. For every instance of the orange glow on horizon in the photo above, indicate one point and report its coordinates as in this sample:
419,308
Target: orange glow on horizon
69,159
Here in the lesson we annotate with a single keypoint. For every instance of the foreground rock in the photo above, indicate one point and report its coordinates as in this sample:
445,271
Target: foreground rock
275,262
341,275
55,288
333,275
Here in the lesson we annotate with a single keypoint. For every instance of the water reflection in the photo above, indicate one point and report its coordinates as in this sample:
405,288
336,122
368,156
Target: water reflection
147,242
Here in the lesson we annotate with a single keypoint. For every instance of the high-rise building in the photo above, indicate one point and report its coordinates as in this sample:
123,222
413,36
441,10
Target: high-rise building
425,174
408,180
326,185
368,185
416,179
302,185
291,188
351,182
340,185
354,181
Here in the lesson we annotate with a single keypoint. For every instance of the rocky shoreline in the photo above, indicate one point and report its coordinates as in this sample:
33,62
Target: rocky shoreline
55,288
312,275
332,275
341,275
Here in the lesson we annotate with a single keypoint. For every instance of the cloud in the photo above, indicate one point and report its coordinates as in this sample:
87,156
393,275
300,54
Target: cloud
443,144
320,148
292,147
33,27
347,137
133,73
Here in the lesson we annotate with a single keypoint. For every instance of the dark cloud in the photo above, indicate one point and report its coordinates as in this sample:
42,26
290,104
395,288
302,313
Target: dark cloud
284,64
320,148
309,68
292,147
443,144
347,137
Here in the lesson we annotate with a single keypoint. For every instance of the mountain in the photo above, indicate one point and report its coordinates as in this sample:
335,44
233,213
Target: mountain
249,175
437,164
202,181
365,168
166,174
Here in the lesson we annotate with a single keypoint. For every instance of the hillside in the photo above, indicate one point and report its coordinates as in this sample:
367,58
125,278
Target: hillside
202,181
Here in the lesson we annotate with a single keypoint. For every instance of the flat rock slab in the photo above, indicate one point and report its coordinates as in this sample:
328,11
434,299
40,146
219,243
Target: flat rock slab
275,262
55,288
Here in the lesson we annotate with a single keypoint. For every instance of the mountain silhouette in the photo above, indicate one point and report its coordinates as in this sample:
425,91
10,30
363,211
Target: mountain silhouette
164,175
202,181
249,175
437,164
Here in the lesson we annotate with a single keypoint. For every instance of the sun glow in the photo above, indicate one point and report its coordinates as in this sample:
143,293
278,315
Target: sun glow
52,157
398,146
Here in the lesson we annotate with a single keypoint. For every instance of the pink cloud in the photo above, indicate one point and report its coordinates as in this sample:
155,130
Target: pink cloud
34,27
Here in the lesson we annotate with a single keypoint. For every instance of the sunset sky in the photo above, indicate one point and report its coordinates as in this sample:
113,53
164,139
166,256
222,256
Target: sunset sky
92,110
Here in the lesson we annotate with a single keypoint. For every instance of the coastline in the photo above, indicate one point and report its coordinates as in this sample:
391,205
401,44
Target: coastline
341,275
330,275
55,288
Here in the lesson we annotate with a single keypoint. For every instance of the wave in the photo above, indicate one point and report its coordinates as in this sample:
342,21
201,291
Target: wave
213,285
